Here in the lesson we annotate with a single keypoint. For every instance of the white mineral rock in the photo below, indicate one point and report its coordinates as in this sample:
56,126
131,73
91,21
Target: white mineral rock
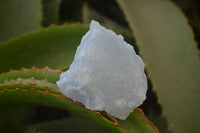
106,74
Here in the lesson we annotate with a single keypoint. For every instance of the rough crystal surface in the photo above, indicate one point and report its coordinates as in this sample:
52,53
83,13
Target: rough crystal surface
106,74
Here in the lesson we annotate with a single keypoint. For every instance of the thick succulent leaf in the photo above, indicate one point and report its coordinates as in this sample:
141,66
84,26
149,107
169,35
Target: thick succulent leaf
137,119
53,56
32,96
135,123
54,47
171,56
31,83
44,94
39,74
19,16
159,121
50,12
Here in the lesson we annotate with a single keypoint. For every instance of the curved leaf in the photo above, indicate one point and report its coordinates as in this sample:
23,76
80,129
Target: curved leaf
39,92
44,98
167,44
39,74
137,119
54,47
31,83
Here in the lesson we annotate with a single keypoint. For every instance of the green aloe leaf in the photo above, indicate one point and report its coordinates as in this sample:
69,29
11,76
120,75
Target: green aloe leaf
135,123
45,98
137,119
54,47
19,16
20,92
171,56
31,83
40,74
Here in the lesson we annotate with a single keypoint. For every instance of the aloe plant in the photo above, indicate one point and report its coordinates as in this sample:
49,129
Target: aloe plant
32,61
167,44
38,86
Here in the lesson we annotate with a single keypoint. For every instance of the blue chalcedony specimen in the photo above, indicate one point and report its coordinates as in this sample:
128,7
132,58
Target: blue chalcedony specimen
106,74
